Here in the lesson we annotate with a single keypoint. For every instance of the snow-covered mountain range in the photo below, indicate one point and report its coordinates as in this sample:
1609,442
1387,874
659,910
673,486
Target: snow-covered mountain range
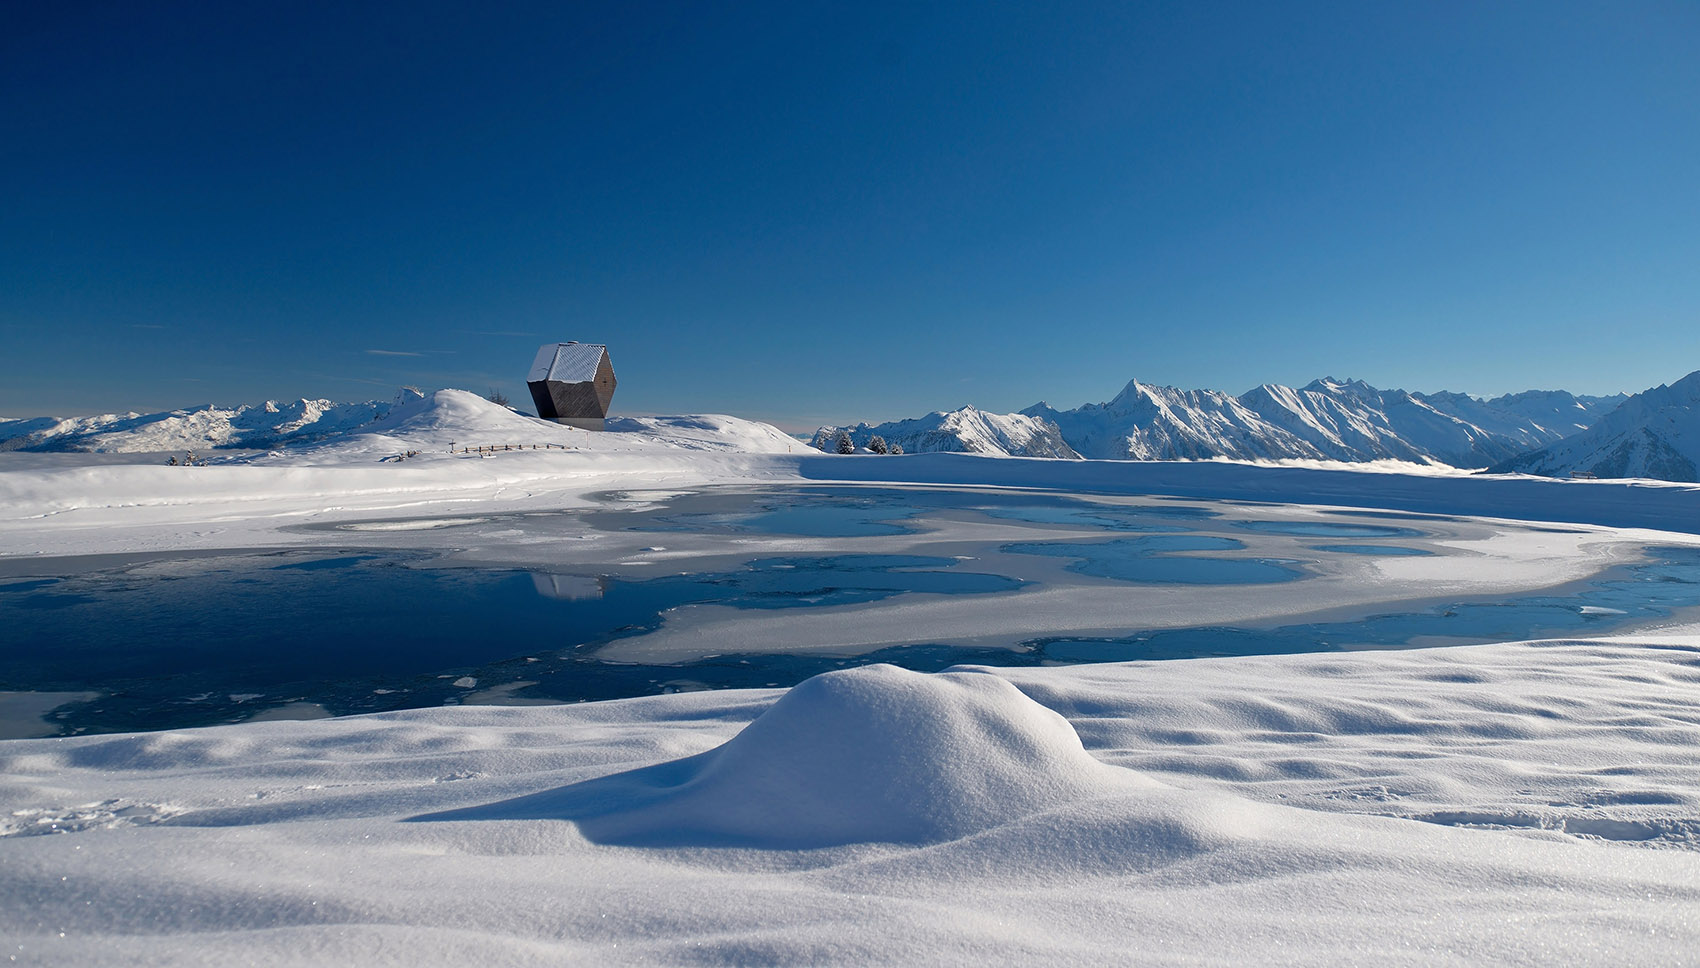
1326,420
262,427
965,431
1655,433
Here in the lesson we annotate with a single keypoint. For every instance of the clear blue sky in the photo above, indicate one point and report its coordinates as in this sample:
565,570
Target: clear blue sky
828,212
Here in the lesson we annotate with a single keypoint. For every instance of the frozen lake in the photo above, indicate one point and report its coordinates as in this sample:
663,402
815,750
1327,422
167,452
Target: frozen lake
652,592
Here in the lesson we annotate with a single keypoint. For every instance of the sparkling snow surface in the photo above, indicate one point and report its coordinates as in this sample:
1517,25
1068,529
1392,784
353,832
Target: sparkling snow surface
1522,803
1516,804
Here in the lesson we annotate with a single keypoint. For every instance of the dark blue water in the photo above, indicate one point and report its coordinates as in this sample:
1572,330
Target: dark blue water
329,627
816,512
1638,594
869,512
215,639
1152,560
1097,520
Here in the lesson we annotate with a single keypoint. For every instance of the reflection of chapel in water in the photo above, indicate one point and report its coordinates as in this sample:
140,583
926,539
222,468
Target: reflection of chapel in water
570,588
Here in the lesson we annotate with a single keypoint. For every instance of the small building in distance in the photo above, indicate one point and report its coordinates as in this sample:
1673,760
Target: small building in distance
572,384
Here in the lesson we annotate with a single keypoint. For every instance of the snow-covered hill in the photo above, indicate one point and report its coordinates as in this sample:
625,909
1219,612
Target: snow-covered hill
965,431
413,421
1655,433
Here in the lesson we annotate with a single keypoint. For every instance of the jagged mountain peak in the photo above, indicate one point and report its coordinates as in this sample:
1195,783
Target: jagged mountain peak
1655,433
1329,418
1347,387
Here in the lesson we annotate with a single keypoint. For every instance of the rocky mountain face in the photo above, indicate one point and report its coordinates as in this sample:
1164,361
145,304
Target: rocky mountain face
1655,433
1328,419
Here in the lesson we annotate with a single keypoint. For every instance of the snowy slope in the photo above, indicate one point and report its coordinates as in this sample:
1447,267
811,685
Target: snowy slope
965,431
708,431
260,427
457,418
1465,807
413,421
1655,434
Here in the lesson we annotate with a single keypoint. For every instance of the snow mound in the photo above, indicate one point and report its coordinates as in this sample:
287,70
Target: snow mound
874,754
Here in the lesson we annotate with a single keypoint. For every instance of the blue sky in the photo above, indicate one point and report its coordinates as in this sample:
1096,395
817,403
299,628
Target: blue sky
833,212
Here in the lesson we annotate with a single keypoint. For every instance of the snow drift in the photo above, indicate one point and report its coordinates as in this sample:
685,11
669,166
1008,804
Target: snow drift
1510,804
874,754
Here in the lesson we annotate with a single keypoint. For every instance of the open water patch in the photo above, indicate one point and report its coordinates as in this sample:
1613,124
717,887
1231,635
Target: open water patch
1091,518
219,638
1638,593
827,512
818,515
188,640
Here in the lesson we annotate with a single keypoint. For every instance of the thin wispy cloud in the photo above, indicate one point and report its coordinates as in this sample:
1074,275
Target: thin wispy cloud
393,353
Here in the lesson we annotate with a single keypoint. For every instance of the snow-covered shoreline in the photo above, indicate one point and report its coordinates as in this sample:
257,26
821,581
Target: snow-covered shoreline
62,506
1489,805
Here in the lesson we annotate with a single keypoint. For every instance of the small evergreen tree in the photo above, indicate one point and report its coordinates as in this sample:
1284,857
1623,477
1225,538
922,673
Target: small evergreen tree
897,448
845,444
876,444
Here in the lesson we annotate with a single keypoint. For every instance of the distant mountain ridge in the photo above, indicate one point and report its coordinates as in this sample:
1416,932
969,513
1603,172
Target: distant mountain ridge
261,427
1655,433
965,431
1328,419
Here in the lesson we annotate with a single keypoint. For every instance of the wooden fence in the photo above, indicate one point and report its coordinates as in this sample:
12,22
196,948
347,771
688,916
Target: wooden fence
503,448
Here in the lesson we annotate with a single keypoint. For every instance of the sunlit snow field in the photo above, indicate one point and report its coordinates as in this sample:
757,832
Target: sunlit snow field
1203,714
